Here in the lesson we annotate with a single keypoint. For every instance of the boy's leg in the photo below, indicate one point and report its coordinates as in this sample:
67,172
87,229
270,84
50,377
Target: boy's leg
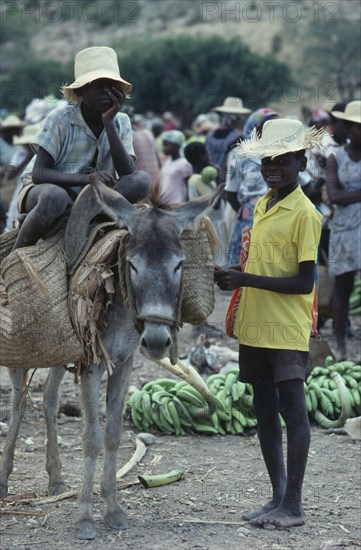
44,204
134,187
293,409
265,403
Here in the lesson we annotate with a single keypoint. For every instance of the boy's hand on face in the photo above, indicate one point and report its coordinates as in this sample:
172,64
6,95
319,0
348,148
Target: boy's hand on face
228,278
118,97
102,176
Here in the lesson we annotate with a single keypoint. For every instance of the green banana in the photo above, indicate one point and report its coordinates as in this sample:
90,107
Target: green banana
205,428
356,396
247,400
326,405
191,397
251,422
239,417
175,418
350,381
166,383
308,401
213,377
168,426
237,426
163,408
345,404
163,479
231,380
158,395
313,398
182,410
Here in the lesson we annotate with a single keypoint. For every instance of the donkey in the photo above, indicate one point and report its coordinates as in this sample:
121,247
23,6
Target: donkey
154,262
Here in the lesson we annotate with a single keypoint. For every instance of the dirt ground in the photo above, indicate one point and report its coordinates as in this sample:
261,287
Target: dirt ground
223,475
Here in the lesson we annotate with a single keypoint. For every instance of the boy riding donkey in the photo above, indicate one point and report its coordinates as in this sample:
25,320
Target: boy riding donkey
86,140
273,321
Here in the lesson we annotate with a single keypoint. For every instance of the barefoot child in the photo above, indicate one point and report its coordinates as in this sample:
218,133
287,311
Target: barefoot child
273,321
90,136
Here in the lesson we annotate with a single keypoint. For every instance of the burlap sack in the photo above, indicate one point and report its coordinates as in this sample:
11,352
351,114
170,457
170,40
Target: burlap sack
35,326
198,298
91,290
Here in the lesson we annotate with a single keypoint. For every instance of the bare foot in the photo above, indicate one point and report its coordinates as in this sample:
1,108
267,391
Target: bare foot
280,518
252,514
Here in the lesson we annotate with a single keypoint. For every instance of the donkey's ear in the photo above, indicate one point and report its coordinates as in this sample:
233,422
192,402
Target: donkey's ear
185,214
114,205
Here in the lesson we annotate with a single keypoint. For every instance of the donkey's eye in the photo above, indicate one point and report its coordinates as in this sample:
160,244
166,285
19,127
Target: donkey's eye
132,267
178,266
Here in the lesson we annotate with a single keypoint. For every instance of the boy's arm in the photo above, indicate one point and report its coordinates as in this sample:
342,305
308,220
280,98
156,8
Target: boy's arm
123,162
335,193
43,172
302,283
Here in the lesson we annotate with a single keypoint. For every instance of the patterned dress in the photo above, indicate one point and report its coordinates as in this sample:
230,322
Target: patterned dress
345,237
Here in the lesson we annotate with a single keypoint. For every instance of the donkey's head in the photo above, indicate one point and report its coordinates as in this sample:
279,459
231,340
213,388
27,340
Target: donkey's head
154,262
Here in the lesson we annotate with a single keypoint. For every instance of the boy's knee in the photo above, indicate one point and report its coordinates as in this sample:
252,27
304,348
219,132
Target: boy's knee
134,187
55,202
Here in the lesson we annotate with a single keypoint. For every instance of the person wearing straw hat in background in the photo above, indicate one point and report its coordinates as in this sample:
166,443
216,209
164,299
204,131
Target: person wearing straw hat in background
219,141
343,180
87,139
273,322
10,127
20,160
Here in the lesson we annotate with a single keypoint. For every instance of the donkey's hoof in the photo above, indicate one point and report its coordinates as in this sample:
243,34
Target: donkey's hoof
86,530
56,488
117,519
3,490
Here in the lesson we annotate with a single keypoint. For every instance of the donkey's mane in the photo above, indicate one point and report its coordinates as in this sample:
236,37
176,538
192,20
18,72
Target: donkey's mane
156,199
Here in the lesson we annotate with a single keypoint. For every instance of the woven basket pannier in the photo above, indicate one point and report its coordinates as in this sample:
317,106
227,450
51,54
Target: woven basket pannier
198,298
35,326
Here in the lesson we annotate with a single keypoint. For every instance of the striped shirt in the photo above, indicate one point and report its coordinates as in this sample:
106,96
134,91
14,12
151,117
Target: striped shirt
65,135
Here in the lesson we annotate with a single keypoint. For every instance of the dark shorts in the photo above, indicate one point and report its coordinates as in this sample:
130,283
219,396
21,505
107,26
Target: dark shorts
276,364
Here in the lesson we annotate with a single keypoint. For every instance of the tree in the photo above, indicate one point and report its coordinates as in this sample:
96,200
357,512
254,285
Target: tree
37,79
192,75
332,57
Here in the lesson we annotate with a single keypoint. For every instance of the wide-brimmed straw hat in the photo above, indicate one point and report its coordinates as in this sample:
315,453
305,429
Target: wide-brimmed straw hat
29,133
92,64
352,112
12,121
280,136
232,105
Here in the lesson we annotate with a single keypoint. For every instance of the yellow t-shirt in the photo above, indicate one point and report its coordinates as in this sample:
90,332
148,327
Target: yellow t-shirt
281,238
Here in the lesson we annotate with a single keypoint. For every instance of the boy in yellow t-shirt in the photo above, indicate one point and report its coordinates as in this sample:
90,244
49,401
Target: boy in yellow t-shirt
273,321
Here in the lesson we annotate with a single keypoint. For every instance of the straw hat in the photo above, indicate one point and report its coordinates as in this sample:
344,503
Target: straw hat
28,134
232,105
12,121
280,136
352,112
92,64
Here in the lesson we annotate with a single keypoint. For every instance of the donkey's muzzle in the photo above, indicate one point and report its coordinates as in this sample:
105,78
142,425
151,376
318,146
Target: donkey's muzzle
155,340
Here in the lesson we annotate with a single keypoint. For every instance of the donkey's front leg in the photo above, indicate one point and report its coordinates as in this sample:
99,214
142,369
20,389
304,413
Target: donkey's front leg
50,407
18,403
92,443
117,387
